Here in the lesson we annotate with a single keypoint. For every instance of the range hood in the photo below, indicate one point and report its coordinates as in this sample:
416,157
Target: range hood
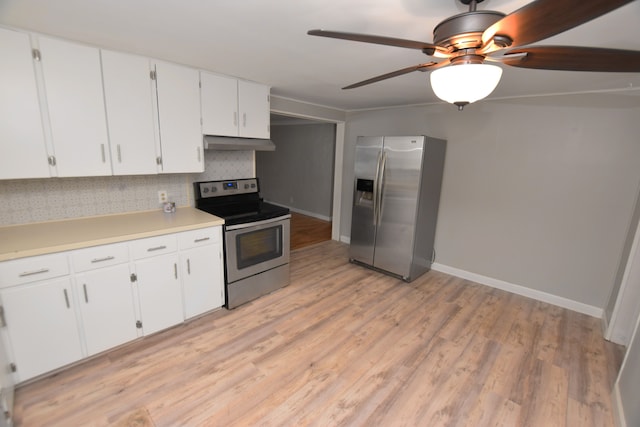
226,143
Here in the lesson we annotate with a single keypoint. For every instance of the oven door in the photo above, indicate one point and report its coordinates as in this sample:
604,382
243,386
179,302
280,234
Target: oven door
256,247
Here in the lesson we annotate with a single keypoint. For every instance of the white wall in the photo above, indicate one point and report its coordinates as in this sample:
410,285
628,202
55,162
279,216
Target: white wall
537,192
627,386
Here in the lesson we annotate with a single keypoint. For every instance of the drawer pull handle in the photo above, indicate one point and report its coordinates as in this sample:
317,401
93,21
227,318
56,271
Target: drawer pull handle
107,258
188,266
203,239
157,248
175,270
66,298
31,273
86,296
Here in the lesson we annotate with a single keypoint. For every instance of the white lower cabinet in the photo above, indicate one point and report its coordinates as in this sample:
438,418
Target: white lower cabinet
41,323
202,274
158,282
105,295
159,292
62,307
107,307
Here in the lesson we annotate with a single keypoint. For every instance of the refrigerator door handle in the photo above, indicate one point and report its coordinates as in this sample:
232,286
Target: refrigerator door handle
376,181
380,189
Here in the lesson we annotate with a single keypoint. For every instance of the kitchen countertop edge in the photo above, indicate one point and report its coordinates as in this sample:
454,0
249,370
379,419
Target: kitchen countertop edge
26,240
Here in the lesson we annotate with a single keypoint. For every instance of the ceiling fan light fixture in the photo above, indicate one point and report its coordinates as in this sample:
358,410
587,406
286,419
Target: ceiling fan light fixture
462,84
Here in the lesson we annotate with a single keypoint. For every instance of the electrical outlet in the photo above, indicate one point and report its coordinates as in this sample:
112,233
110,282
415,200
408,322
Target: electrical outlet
162,196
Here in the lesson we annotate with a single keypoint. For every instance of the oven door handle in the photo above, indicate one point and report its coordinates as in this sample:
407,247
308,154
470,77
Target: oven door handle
256,223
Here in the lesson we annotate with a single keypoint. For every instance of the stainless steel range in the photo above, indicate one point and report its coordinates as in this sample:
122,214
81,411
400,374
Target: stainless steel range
256,237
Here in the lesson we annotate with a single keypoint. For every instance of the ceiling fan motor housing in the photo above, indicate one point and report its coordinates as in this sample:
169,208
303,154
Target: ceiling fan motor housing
464,31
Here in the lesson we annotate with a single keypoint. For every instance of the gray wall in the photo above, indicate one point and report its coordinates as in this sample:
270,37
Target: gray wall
299,174
537,192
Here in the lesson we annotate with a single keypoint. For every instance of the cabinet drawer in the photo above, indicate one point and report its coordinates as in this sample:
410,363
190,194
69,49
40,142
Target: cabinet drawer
32,269
153,246
100,256
201,237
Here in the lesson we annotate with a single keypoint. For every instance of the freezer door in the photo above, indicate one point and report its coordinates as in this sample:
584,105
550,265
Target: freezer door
399,188
363,228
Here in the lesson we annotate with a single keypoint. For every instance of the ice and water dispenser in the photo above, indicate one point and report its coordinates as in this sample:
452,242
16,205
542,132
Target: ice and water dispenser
364,192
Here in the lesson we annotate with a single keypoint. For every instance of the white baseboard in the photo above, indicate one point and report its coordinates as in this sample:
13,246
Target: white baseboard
618,412
311,214
303,212
521,290
345,239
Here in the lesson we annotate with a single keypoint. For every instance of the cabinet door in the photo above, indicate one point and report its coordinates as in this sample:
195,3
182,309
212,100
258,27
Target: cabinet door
131,117
42,326
73,81
107,308
219,105
178,90
7,389
159,292
202,279
23,152
253,101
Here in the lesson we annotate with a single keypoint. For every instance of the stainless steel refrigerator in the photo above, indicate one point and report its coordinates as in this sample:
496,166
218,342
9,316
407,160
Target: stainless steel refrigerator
395,205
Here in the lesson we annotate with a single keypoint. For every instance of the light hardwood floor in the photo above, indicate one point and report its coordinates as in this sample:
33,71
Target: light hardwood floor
343,345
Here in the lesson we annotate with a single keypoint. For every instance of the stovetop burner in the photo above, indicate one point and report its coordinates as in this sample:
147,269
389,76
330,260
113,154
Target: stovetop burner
236,201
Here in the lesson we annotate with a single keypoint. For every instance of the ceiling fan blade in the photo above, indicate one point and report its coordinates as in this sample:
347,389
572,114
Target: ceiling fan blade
420,67
573,58
426,48
541,19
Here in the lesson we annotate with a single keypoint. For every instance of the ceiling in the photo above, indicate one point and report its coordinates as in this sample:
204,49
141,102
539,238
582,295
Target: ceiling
266,41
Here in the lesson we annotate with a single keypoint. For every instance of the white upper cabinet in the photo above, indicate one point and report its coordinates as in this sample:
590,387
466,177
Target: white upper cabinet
23,152
75,101
71,110
219,105
178,90
132,120
254,107
232,107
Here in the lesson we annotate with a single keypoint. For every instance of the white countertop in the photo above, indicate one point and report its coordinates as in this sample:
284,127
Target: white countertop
19,241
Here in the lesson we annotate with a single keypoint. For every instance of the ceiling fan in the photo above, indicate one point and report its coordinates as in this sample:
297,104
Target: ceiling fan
464,43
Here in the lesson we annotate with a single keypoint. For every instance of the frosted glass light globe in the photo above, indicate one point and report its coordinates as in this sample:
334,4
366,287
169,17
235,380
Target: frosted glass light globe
465,83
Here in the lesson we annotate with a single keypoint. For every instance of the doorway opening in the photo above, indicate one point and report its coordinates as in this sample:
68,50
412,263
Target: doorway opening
301,175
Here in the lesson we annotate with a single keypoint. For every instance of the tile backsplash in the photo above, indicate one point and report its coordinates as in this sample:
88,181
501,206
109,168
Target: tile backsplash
34,200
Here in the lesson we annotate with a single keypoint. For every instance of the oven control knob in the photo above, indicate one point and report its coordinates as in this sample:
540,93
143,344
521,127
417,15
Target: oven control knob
205,190
214,189
246,186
